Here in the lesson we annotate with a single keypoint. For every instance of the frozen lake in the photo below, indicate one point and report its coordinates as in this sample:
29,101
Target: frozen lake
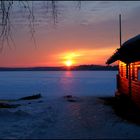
52,116
57,83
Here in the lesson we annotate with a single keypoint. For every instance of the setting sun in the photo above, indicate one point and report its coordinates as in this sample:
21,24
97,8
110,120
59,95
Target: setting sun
68,63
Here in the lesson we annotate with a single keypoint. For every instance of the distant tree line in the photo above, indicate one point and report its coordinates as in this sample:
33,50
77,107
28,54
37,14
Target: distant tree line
62,68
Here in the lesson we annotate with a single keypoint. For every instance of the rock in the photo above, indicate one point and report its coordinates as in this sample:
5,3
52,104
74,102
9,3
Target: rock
6,105
37,96
70,98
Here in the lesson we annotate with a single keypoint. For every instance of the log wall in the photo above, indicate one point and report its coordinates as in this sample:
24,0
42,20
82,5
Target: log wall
128,82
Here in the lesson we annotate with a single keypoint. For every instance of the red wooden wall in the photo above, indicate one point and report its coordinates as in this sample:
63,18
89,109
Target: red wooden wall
128,81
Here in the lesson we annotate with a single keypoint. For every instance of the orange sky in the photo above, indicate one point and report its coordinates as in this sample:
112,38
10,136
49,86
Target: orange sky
86,36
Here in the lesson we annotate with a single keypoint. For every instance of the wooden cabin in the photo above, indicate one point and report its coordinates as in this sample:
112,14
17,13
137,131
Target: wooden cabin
128,77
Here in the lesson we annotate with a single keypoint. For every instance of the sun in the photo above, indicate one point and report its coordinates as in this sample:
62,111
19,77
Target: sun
68,63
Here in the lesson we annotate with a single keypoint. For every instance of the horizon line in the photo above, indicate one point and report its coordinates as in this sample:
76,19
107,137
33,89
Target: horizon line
55,66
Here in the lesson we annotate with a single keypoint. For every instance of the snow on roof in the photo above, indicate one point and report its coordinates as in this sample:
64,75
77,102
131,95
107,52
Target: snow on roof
132,40
128,52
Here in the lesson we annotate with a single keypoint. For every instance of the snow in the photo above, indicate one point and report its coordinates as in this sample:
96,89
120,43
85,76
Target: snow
52,116
131,40
57,83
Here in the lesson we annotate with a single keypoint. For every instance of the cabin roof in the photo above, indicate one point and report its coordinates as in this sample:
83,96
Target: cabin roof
129,51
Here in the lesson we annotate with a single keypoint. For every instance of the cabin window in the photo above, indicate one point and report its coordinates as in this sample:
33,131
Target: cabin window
133,72
121,70
139,73
127,71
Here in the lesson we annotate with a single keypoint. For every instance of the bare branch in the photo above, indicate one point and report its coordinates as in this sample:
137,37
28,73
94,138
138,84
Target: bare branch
79,4
6,35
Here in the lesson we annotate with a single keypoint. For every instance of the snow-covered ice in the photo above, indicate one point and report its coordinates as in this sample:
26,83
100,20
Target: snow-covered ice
52,116
57,83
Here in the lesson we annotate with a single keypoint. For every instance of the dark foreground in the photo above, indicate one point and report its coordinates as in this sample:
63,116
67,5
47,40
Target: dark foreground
124,108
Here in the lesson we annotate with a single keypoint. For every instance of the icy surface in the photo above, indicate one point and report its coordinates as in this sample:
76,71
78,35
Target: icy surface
57,83
52,116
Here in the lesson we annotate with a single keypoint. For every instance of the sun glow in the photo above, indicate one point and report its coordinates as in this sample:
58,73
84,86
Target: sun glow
69,59
68,63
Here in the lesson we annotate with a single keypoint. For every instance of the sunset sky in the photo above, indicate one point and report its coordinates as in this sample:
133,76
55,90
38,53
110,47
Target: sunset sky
85,36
